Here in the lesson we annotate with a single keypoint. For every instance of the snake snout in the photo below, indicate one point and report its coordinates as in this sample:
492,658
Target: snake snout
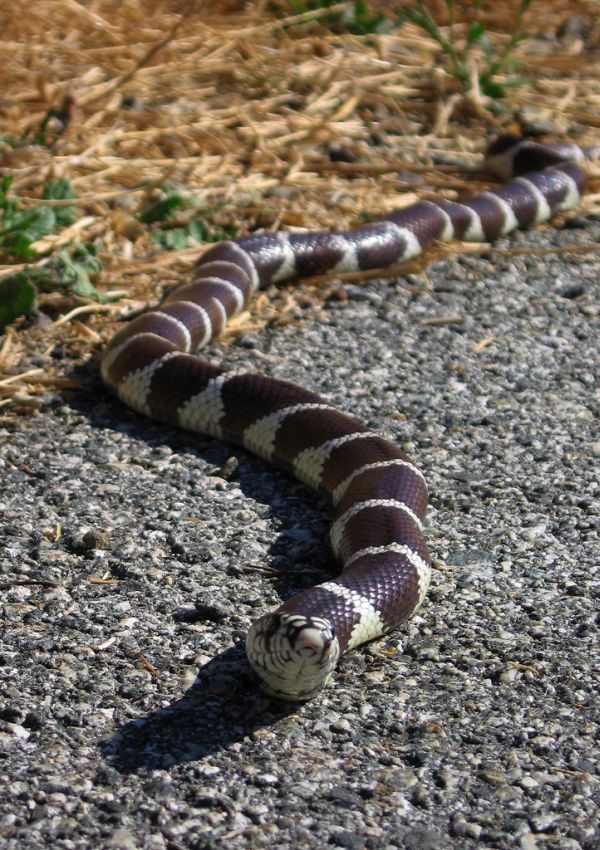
313,640
293,654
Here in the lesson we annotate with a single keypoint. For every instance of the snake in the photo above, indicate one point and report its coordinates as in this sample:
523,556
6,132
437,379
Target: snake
378,494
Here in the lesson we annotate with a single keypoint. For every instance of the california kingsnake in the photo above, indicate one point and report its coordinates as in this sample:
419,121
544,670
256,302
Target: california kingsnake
380,497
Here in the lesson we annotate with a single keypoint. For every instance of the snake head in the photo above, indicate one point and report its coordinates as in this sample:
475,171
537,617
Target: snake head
294,655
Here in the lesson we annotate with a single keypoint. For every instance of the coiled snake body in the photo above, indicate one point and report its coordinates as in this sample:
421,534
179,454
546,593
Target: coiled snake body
379,495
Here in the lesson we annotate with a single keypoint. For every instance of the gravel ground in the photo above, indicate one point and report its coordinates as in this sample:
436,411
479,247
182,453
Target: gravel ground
134,558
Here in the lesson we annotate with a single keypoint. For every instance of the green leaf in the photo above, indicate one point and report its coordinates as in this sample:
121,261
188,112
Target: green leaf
5,184
75,265
60,189
163,209
17,297
475,34
172,238
492,89
71,268
177,238
197,231
19,229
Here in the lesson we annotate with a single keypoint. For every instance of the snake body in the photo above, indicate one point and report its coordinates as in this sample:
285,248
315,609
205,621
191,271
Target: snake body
378,494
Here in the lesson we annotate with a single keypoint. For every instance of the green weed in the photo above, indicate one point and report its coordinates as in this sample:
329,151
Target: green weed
20,228
176,223
497,61
71,268
17,297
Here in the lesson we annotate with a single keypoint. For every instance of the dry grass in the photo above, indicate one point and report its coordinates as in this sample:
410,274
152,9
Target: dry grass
243,107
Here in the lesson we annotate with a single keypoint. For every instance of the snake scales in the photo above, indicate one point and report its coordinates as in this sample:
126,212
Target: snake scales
379,495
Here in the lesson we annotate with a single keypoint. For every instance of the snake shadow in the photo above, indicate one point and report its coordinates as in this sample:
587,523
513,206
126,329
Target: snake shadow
296,560
225,704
